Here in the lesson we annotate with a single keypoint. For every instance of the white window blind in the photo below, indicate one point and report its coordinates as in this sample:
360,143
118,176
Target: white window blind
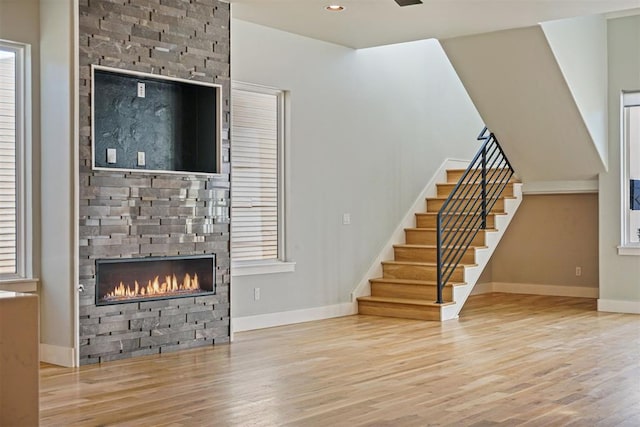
8,193
256,133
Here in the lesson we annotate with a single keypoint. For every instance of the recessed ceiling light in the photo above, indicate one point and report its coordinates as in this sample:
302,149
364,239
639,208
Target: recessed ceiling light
335,8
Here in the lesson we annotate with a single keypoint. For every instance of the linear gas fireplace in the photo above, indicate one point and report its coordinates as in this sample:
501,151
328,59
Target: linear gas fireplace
142,279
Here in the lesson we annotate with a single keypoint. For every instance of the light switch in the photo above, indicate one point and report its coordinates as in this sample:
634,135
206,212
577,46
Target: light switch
141,90
346,218
111,155
141,158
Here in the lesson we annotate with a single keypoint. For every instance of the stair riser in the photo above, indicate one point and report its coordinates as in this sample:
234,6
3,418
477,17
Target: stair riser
453,176
403,311
429,221
431,254
428,237
417,272
434,205
423,292
445,189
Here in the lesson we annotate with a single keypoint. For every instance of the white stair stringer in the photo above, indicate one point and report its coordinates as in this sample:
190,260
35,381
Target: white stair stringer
483,255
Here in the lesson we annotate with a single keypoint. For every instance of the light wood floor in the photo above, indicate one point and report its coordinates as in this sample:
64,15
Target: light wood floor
509,360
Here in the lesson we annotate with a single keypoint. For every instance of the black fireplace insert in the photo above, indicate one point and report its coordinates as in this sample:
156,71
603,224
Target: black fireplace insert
142,279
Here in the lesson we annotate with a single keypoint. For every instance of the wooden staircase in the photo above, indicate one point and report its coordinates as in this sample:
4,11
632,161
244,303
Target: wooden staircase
408,286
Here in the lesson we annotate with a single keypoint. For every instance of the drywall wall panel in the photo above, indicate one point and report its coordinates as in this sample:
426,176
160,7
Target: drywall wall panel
580,47
519,90
619,275
550,236
57,303
367,130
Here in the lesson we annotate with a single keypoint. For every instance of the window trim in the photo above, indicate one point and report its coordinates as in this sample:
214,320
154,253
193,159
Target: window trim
24,204
282,264
627,99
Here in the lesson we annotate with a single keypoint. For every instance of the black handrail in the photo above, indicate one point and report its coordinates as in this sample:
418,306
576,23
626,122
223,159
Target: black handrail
464,213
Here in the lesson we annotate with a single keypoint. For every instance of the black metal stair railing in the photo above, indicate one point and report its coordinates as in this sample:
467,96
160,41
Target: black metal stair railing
464,212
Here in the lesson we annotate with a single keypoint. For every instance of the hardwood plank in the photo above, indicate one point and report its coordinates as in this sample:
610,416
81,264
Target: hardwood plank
428,236
444,189
429,253
418,271
435,203
508,360
454,175
410,289
428,219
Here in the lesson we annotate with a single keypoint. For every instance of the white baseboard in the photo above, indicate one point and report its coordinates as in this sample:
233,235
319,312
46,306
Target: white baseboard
537,289
482,288
269,320
57,355
619,306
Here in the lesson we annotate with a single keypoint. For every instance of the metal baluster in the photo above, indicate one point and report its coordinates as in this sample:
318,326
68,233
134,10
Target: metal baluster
483,182
439,257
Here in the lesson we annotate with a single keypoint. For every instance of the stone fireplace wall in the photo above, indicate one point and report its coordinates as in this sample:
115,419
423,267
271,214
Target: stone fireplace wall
138,214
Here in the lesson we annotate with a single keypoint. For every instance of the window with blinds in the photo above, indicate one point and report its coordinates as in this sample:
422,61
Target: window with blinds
256,128
630,152
8,144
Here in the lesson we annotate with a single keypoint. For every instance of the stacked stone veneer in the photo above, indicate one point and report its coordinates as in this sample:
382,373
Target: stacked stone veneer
138,214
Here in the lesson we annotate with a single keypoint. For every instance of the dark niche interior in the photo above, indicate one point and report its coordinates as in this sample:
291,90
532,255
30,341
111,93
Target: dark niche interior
142,279
173,123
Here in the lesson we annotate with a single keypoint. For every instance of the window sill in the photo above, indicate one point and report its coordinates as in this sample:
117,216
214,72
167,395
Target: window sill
19,285
629,250
249,268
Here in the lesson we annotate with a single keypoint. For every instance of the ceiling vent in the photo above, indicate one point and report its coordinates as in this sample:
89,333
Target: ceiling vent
408,2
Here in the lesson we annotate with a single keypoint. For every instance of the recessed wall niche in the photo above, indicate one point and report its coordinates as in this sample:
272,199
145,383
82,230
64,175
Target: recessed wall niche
154,123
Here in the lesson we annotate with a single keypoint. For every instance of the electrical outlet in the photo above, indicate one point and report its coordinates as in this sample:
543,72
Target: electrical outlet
256,294
578,271
141,158
346,218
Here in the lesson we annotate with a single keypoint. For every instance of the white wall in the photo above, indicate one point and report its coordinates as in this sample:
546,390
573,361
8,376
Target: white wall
19,21
57,313
619,275
368,129
519,90
580,47
550,235
47,26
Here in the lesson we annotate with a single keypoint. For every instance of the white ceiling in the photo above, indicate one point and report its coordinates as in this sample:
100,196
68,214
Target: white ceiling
367,23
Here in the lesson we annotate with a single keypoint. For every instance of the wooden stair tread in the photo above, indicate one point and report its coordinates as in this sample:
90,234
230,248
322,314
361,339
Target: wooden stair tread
418,246
467,198
464,169
462,213
412,282
446,229
492,184
405,301
424,264
475,182
512,179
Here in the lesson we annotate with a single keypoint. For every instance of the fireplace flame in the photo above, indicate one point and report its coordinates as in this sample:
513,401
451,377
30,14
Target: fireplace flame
168,286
